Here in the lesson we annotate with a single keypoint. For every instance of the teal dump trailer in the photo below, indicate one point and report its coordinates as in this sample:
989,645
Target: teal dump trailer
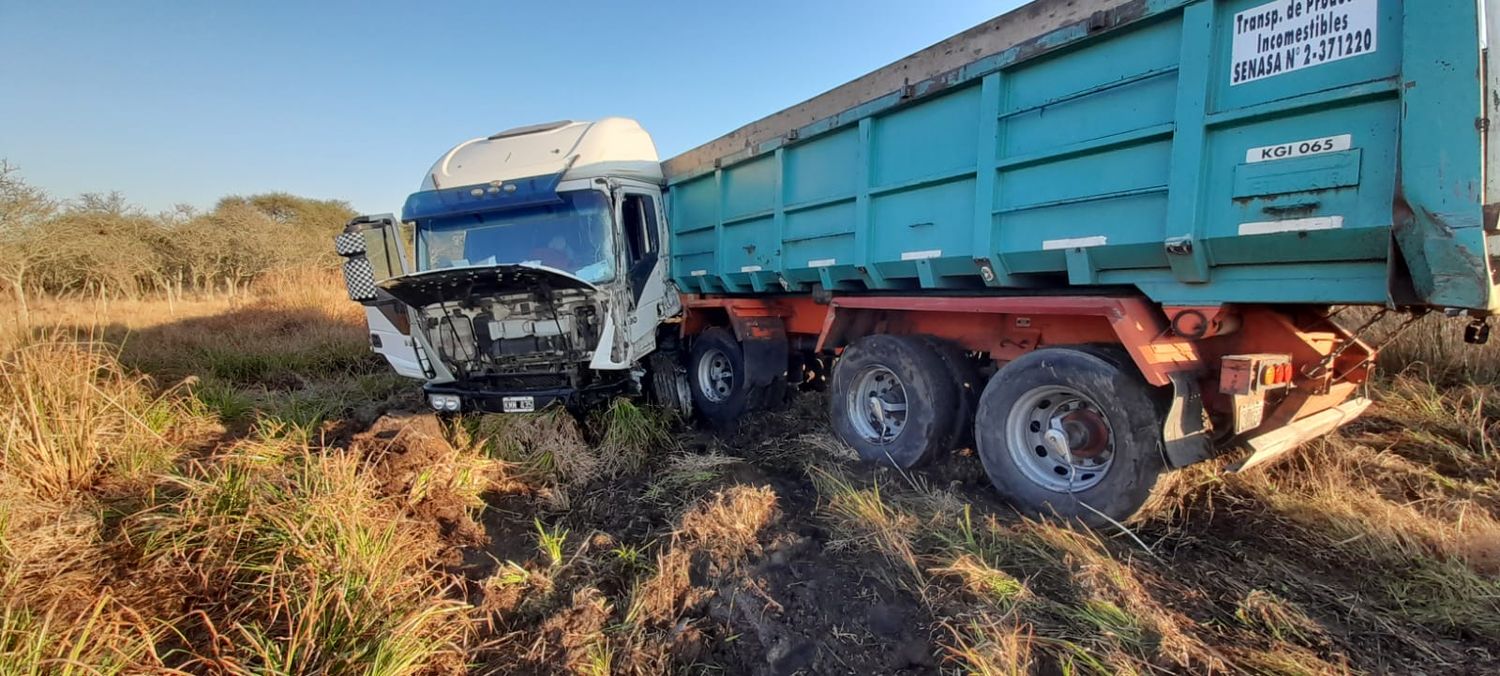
1093,240
1296,151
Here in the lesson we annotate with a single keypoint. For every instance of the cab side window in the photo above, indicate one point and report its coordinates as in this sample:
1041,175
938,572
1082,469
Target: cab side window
640,226
638,220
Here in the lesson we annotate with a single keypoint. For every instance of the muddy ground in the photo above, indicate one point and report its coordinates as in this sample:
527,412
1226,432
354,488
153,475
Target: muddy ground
809,597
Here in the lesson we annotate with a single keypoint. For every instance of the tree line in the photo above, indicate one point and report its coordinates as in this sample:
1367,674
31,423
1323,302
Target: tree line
99,245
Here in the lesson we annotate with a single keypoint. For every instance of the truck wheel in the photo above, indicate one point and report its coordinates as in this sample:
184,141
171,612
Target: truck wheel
893,400
716,374
1062,431
669,383
965,380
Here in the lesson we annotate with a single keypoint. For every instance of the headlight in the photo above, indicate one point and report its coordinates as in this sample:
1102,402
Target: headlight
445,402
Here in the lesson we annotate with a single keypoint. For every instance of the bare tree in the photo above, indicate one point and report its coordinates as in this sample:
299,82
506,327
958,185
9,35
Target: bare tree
24,211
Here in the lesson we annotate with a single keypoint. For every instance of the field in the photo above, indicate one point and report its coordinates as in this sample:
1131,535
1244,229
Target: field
233,484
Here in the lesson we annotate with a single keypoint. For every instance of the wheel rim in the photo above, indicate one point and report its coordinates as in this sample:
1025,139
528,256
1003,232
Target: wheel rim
876,405
716,375
1060,440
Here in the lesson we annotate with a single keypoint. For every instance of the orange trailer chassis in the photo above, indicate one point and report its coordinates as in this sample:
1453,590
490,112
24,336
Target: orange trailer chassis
1188,349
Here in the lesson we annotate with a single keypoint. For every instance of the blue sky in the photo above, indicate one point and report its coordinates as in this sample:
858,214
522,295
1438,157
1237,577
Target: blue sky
183,102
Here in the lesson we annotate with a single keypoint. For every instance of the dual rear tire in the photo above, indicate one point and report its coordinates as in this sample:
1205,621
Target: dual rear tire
1061,432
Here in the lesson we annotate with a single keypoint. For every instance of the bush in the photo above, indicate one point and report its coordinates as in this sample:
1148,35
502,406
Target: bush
100,245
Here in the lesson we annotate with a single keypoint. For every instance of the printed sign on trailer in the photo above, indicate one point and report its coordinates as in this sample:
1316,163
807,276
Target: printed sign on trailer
1289,35
1286,151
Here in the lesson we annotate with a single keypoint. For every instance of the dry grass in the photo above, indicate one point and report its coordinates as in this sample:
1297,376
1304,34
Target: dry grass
991,647
871,521
1434,347
1093,611
548,446
138,534
728,523
223,514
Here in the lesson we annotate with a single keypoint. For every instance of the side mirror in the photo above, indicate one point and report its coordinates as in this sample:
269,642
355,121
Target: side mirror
371,247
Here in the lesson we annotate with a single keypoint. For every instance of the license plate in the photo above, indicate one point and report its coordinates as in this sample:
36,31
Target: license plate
518,404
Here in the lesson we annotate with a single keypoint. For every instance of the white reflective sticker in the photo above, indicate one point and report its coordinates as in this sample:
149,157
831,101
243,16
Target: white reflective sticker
1288,35
1286,151
750,268
822,262
921,255
698,273
1074,243
1293,225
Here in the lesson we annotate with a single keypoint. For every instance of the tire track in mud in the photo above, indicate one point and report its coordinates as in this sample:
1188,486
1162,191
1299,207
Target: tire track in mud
801,603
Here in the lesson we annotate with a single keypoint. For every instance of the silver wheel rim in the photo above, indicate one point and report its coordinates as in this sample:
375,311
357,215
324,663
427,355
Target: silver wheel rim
1060,439
876,405
716,375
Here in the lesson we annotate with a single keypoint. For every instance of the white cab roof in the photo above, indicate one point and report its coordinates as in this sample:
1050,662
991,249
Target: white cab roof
613,146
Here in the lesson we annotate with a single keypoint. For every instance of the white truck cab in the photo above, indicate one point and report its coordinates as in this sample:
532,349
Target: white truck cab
530,267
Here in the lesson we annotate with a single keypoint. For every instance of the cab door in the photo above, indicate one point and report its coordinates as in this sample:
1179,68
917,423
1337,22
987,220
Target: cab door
643,226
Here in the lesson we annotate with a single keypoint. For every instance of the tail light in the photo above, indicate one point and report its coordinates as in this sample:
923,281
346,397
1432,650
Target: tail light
1245,374
1246,378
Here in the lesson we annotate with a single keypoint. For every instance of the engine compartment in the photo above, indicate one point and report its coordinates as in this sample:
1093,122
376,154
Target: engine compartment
486,336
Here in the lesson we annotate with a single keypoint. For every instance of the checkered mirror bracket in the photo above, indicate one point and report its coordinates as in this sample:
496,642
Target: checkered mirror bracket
350,243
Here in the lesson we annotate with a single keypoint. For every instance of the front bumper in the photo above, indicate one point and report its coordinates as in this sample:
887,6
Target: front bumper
490,400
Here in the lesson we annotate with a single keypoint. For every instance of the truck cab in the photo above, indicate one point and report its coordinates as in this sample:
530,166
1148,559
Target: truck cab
530,267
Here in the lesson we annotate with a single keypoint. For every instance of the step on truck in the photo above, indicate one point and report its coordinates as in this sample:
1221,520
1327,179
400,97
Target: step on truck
1094,240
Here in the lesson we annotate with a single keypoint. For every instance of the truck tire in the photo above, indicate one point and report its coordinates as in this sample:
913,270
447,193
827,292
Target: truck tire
716,375
893,400
965,379
1071,433
669,383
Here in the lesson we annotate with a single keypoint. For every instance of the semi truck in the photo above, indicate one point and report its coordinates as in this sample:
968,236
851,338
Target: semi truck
1094,240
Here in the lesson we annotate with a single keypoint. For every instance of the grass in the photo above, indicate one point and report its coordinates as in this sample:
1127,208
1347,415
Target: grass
249,552
550,543
682,474
871,521
632,435
211,487
990,648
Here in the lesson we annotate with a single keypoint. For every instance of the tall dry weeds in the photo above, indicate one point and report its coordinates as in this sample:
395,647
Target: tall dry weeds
80,436
72,416
129,542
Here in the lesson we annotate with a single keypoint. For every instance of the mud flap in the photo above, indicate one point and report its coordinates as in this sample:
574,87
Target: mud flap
1185,434
763,340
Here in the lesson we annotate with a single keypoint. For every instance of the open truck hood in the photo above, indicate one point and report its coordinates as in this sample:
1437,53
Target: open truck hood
458,284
